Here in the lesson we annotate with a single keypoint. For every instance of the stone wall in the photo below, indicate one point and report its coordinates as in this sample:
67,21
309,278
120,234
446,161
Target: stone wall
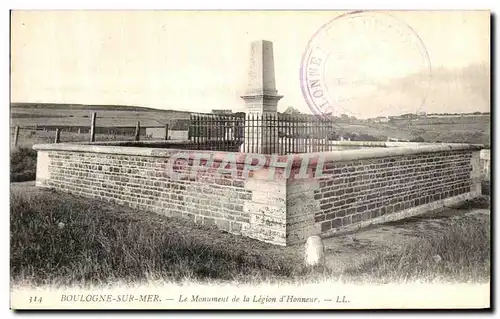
485,164
378,187
140,178
338,191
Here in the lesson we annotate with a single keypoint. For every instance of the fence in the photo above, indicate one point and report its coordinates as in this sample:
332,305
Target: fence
29,135
266,134
220,132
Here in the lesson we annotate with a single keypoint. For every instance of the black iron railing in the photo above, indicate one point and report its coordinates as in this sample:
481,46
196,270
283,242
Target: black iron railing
266,133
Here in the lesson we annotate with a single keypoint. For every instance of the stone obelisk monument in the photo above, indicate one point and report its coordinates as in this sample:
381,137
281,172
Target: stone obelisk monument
261,99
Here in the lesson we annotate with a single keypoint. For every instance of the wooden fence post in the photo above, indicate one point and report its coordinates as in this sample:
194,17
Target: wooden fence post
16,135
166,132
92,128
137,131
58,135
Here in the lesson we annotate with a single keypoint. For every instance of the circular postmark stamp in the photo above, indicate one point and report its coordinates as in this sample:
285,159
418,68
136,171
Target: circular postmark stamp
365,63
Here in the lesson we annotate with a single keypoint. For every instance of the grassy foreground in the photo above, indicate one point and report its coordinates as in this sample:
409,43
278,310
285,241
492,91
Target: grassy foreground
59,239
56,240
22,164
461,254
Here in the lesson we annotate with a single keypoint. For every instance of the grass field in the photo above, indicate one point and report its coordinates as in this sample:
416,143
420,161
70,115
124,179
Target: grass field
59,239
475,130
26,114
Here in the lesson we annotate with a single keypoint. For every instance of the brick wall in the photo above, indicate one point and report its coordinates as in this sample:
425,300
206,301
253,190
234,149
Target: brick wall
249,207
354,193
356,187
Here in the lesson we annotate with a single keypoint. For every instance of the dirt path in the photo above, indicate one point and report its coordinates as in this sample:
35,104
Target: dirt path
353,249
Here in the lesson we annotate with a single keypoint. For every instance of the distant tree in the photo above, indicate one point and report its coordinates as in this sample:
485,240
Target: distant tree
408,115
364,137
476,113
292,111
333,136
418,131
419,139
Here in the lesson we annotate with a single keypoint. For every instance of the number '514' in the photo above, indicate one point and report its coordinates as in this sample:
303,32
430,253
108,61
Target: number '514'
35,299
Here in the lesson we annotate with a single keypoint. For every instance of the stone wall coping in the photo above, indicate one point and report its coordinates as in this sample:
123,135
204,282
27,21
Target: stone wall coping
388,144
393,150
118,148
333,156
367,143
106,148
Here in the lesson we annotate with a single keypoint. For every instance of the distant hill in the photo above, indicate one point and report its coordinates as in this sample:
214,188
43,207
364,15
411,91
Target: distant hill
88,107
77,115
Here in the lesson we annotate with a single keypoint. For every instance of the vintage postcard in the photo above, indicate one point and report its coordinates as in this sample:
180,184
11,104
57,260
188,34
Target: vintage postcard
250,159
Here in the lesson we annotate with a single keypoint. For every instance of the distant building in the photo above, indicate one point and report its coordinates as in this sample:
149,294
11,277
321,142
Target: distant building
381,119
177,130
408,116
156,132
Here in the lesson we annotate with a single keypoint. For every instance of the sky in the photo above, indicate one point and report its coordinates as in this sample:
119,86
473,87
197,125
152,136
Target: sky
197,61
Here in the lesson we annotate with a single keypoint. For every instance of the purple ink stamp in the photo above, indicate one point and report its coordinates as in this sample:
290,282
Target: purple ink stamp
365,63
